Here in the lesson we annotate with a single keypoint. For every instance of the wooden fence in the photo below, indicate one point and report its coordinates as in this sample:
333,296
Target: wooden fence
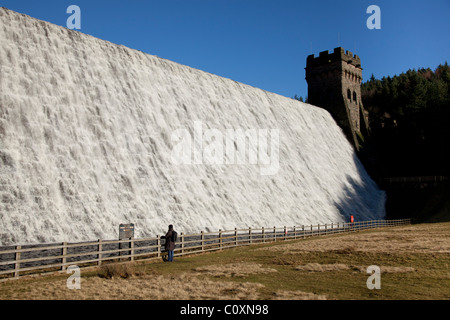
22,260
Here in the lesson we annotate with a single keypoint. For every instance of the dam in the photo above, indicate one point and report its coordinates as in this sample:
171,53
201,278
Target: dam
91,136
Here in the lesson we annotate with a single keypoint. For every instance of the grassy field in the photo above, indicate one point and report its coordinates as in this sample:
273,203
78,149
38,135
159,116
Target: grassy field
414,262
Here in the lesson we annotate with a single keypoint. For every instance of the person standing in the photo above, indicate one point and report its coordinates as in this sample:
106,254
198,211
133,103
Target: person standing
171,237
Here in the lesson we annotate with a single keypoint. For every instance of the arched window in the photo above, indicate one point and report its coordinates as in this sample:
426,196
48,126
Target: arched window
354,96
349,95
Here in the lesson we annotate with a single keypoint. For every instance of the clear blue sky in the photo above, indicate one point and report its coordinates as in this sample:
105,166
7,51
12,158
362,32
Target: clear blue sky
264,43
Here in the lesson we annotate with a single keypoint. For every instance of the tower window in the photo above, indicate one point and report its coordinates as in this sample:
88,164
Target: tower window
349,95
354,96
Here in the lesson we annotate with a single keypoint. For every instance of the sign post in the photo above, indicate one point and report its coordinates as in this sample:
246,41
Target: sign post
126,231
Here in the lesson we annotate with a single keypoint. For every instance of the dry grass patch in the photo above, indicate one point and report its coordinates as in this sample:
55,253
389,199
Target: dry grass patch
317,267
154,287
122,270
297,295
239,269
387,269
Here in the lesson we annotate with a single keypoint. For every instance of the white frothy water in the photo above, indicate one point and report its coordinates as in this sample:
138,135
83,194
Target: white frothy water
85,144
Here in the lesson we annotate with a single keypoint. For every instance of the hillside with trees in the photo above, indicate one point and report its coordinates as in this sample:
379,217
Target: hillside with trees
409,117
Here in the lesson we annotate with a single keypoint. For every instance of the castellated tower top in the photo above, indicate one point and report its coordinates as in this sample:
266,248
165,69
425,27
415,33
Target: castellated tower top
339,54
334,83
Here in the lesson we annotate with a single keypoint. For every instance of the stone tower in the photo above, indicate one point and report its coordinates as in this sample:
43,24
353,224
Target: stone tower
334,83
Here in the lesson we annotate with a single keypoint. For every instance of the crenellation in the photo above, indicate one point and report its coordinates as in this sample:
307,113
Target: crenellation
324,54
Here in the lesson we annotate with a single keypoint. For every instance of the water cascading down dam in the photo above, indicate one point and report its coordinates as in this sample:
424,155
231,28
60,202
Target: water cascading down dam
94,134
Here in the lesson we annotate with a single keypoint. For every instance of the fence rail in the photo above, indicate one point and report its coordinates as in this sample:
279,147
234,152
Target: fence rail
414,179
16,261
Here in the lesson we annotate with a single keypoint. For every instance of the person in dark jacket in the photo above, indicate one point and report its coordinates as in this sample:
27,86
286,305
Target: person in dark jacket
170,243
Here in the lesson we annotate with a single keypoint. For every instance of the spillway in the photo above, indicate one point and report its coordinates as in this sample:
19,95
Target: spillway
94,134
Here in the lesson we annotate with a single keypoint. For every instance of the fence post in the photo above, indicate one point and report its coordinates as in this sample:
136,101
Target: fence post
220,238
99,255
326,229
295,233
249,235
303,231
202,239
132,249
17,263
158,245
274,234
285,232
235,237
182,242
63,253
318,230
263,235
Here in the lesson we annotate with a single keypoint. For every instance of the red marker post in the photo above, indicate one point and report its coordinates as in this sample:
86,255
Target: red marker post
351,222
